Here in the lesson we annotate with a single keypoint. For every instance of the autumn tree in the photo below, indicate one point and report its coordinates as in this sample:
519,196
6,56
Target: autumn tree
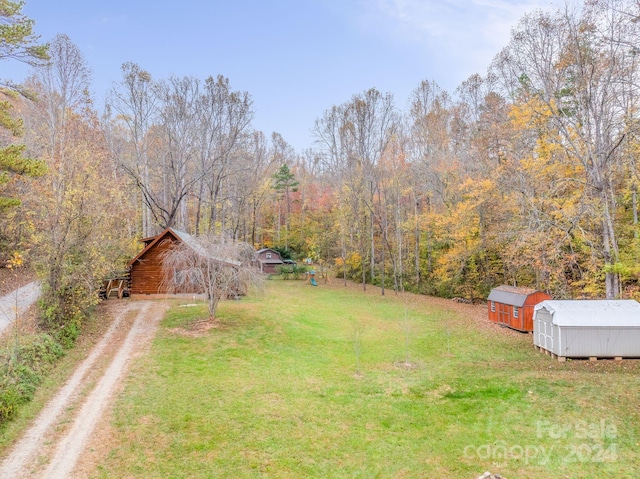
582,70
433,164
354,136
79,204
328,133
313,217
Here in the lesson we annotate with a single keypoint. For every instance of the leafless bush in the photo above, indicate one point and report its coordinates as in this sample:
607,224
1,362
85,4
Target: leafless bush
215,265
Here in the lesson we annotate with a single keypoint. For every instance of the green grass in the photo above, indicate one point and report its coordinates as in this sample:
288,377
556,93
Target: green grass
278,390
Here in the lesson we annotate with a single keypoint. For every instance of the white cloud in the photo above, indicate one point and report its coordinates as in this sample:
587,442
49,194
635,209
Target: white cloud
470,32
483,21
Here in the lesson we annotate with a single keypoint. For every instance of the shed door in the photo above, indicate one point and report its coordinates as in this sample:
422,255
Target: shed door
503,313
545,329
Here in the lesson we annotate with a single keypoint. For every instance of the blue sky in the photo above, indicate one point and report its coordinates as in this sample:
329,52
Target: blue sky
296,58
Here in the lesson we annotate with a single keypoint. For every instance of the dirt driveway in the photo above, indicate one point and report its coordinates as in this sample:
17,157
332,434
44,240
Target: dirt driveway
55,444
17,302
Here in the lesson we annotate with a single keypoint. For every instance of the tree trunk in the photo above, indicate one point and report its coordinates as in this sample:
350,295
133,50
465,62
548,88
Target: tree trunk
382,261
417,243
635,212
199,207
373,251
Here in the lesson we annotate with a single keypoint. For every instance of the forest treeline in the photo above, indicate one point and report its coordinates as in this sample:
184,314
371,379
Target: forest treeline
526,175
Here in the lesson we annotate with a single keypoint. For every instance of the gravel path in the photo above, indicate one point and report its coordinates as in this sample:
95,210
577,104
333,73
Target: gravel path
55,442
17,302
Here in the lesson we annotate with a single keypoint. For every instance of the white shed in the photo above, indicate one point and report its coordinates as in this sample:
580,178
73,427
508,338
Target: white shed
588,328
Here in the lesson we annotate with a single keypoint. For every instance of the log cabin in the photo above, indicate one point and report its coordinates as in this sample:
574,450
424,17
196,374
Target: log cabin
146,273
146,269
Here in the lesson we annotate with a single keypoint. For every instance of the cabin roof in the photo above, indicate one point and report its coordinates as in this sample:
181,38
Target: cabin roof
187,239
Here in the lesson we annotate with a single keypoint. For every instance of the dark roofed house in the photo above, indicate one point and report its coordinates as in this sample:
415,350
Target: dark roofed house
269,259
512,306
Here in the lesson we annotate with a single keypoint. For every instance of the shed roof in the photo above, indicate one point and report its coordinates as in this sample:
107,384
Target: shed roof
595,313
513,295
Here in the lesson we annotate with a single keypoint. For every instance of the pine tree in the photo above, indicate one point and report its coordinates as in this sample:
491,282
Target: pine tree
285,183
17,42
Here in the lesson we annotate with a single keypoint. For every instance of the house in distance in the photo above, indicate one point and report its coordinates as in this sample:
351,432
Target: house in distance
268,260
513,306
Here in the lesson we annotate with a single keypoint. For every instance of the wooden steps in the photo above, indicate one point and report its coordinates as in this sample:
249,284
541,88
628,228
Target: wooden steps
116,288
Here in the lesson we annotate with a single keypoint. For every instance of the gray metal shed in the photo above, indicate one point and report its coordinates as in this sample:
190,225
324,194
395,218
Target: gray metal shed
588,328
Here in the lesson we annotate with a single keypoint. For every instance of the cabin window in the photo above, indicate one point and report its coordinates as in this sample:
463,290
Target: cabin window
493,306
515,311
268,255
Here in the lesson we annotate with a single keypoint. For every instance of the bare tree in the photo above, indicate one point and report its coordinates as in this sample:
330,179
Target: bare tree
253,186
185,138
354,137
169,176
212,264
62,86
224,117
137,105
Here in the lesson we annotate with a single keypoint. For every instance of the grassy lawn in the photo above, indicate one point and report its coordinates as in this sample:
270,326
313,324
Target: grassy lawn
332,382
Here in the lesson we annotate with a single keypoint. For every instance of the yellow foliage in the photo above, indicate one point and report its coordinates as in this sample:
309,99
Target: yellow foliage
15,261
354,260
532,113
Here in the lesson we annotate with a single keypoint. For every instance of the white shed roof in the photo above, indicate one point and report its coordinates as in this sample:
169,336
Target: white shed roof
618,313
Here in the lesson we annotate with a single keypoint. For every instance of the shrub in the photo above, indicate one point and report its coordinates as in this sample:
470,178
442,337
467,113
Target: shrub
62,312
21,370
287,270
299,271
283,270
43,351
10,400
